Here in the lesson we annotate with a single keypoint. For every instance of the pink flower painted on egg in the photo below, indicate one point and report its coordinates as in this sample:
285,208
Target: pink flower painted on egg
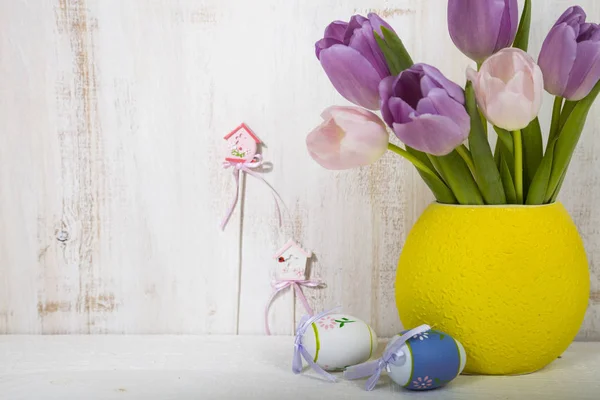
327,323
421,336
423,383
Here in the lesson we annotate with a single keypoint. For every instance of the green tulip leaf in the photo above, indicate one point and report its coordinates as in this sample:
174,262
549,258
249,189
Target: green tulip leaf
567,141
505,138
505,148
396,45
539,184
533,151
437,167
507,181
557,191
427,171
486,172
522,38
424,159
456,173
509,157
555,122
558,188
566,111
436,184
498,155
392,59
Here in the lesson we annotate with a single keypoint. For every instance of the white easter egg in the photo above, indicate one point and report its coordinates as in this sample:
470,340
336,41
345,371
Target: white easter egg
337,341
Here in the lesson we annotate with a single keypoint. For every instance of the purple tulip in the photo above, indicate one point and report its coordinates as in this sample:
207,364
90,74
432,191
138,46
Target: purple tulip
352,59
570,56
480,28
425,109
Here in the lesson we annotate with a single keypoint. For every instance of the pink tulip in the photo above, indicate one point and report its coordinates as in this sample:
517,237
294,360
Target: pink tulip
349,137
509,88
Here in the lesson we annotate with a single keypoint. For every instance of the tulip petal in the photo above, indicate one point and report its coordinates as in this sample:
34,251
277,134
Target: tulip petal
585,72
352,75
349,137
364,41
509,100
356,21
323,145
503,65
471,74
518,82
485,18
508,25
386,87
425,106
573,14
336,30
448,107
400,110
586,32
348,118
427,85
486,87
323,44
538,89
452,88
377,22
408,87
510,111
595,34
557,58
431,134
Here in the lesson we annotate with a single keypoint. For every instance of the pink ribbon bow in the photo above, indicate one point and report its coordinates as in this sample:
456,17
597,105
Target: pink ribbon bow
278,286
247,167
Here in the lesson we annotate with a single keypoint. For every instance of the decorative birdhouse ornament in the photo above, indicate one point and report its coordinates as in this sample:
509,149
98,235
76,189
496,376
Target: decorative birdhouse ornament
242,157
290,272
291,260
242,144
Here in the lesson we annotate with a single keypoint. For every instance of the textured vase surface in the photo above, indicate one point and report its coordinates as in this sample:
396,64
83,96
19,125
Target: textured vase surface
511,283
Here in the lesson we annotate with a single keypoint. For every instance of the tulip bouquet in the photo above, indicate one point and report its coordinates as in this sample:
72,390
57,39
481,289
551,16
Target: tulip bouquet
444,127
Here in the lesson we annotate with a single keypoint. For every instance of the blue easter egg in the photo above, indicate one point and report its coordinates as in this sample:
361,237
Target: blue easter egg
432,359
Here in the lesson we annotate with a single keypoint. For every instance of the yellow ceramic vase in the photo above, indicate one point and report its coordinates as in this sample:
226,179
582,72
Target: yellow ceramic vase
511,283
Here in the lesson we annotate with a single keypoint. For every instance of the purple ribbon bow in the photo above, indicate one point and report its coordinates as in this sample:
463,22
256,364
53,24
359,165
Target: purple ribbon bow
248,167
391,355
299,350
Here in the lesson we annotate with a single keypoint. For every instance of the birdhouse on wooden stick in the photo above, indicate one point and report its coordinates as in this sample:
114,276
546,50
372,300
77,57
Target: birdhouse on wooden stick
292,260
242,144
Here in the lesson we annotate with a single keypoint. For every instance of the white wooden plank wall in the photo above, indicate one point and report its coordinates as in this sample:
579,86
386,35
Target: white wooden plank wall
111,188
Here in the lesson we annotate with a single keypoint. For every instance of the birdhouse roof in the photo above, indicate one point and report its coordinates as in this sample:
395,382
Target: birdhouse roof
292,243
245,127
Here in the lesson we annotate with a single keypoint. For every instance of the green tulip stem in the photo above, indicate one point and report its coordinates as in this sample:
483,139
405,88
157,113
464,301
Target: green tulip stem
414,160
554,127
518,149
466,155
483,119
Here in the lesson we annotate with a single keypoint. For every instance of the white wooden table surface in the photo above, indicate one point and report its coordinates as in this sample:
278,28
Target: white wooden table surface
239,367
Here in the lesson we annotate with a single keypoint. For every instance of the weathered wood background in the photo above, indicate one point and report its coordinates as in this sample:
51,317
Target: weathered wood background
113,114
